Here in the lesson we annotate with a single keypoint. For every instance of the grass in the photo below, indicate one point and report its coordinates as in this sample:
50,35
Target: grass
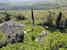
49,42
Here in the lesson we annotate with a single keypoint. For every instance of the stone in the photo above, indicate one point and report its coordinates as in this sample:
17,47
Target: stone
10,27
19,37
41,36
13,35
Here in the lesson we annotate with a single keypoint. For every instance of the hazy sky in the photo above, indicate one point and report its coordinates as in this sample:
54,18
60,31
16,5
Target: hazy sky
32,1
28,0
21,0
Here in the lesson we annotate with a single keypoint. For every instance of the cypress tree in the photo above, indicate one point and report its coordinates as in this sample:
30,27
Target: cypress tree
58,19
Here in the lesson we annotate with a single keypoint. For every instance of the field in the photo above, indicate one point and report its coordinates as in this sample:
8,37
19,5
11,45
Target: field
55,40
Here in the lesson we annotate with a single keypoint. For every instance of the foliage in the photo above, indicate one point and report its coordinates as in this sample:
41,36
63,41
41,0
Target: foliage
53,41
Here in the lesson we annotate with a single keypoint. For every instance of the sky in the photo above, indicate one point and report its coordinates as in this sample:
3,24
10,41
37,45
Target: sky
31,1
28,0
21,0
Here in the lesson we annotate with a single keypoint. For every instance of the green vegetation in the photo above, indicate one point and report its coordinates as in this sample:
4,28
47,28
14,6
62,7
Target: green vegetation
53,41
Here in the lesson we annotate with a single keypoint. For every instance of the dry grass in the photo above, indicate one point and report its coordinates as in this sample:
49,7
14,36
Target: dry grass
40,15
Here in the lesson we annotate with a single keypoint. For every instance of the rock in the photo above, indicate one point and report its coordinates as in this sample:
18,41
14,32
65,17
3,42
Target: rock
41,36
19,37
13,34
10,27
20,17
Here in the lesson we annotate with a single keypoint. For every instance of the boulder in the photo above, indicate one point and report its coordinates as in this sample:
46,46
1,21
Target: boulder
13,34
41,36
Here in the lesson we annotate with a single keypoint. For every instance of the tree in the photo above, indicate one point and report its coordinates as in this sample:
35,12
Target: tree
58,19
32,16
